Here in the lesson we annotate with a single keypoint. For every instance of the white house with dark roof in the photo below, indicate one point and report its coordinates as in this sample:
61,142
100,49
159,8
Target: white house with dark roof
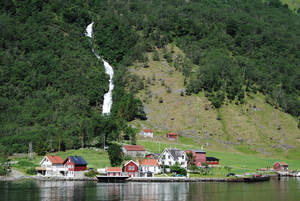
172,155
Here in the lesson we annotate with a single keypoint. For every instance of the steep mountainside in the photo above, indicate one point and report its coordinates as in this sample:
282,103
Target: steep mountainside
251,128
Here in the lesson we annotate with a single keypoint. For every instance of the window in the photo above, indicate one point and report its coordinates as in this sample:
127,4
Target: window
182,156
169,157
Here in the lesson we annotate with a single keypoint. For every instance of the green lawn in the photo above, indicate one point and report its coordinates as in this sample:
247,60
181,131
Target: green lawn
240,163
94,158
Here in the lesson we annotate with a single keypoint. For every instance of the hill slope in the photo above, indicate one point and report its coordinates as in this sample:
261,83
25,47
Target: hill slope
252,128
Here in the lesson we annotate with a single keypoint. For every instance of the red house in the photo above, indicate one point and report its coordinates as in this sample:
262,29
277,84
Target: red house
173,136
114,171
73,164
131,168
200,156
212,161
281,167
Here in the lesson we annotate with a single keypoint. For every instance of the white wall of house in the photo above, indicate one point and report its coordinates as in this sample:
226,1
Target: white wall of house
149,168
52,169
167,159
148,134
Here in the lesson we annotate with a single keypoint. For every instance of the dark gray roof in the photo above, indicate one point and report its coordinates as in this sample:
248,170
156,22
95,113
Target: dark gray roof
78,160
197,150
212,159
175,152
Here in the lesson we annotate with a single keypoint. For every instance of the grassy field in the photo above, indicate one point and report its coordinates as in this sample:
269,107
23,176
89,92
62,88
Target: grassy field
95,158
240,163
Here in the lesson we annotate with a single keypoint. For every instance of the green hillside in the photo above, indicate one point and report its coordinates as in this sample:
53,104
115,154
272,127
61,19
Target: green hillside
223,74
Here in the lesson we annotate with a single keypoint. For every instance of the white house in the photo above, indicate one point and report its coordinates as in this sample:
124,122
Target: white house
147,133
51,165
172,155
148,167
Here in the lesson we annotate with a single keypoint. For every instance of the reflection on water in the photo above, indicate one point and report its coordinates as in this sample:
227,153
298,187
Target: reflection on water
284,189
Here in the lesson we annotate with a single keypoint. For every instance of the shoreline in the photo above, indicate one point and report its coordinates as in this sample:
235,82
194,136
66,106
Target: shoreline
136,179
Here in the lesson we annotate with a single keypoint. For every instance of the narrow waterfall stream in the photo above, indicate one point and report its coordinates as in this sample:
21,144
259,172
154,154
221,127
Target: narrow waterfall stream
107,102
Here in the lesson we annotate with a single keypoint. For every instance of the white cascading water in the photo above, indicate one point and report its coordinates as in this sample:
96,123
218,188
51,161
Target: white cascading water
107,102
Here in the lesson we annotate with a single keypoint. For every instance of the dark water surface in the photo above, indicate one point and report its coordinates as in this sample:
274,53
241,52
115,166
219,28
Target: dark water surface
287,189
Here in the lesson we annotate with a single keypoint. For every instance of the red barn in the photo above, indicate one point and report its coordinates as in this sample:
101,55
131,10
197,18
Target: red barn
281,167
200,156
74,163
172,136
131,168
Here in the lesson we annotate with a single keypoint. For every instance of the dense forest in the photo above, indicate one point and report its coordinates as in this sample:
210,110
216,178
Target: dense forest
52,86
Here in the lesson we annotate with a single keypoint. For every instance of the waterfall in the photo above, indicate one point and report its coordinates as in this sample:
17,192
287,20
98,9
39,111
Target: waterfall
107,102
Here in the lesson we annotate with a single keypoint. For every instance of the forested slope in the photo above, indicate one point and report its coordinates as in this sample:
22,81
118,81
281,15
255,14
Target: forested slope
52,85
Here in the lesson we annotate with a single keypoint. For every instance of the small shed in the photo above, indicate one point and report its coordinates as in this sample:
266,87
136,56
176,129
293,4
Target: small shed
173,136
212,161
114,171
152,156
147,133
281,167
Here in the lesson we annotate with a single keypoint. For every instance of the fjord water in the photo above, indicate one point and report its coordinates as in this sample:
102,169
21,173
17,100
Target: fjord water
284,189
107,102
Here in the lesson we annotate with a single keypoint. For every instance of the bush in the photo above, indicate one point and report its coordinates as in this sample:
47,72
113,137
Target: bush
183,171
31,171
91,173
25,164
3,171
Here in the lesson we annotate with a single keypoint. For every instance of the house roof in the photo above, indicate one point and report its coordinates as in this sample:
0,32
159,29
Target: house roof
148,130
127,162
153,155
197,150
55,159
175,153
172,133
212,159
134,147
77,160
148,162
113,169
281,163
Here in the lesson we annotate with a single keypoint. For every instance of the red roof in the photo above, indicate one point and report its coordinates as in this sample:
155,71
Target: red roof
148,162
55,159
134,147
148,130
131,161
281,163
172,133
113,169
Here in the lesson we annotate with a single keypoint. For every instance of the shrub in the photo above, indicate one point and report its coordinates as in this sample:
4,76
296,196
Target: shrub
3,171
91,173
31,171
183,171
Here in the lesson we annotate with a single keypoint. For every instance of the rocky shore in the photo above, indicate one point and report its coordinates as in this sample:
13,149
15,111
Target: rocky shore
17,175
